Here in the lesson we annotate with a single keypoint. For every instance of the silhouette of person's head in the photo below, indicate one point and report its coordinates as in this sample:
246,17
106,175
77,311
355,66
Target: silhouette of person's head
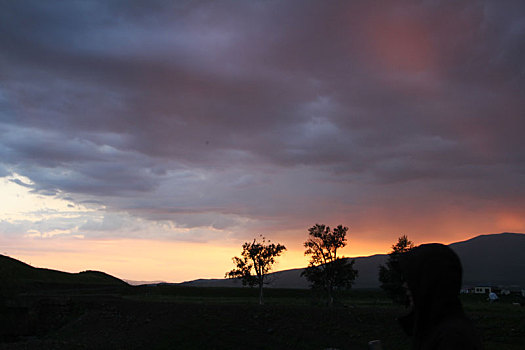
432,274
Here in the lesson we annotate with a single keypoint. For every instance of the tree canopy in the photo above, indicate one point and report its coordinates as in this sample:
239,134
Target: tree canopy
389,275
327,270
255,262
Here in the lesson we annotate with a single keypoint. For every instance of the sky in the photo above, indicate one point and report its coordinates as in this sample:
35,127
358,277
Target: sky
151,139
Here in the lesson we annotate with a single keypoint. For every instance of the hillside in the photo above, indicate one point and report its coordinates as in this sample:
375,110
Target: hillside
15,274
494,259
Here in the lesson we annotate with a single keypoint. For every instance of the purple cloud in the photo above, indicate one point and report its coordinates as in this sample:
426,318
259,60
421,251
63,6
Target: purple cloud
227,114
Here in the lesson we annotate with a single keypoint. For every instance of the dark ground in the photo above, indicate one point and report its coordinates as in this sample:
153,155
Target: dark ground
174,317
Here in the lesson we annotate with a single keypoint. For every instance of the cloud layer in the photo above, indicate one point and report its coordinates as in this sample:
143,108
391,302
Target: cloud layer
226,118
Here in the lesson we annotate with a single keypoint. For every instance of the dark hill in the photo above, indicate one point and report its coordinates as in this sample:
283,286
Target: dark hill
16,274
497,259
494,259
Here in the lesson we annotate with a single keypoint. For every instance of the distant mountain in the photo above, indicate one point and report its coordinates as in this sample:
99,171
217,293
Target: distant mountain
494,259
14,273
141,283
367,267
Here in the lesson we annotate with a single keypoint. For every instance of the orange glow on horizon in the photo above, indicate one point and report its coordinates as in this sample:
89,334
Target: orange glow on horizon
139,260
149,260
178,261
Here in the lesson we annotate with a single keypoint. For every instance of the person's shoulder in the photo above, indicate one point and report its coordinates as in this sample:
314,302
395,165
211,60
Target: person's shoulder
457,333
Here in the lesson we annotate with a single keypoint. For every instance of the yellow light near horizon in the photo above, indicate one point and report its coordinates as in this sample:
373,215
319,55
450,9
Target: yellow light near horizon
140,260
151,260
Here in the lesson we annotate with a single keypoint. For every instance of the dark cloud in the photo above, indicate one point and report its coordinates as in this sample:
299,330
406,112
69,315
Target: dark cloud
206,113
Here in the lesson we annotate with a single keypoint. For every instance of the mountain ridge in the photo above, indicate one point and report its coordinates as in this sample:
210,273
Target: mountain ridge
15,273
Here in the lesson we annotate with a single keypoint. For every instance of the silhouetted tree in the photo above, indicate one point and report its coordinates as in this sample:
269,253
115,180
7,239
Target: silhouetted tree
326,270
390,276
259,257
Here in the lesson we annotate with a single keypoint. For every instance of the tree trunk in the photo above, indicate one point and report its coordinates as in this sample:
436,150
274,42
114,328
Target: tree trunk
330,297
261,302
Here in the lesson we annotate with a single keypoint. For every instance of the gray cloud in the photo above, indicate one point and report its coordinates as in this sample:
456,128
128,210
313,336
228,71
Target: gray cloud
209,114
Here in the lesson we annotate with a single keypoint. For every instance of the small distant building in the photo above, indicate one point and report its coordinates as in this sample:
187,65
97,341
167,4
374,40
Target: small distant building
482,290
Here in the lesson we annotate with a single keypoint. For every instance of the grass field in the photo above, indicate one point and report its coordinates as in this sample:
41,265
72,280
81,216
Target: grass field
175,317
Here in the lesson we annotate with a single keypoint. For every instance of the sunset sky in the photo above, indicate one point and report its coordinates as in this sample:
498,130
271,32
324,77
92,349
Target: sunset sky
150,139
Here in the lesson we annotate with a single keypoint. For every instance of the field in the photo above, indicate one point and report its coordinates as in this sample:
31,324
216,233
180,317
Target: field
176,317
